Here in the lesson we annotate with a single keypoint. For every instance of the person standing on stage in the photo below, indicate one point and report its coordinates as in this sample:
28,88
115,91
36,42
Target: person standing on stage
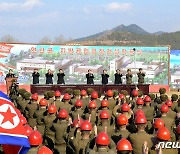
118,77
49,77
141,76
129,77
60,77
35,76
105,77
90,77
10,74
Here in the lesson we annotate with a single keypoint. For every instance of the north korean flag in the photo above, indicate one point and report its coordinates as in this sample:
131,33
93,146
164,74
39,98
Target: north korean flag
12,131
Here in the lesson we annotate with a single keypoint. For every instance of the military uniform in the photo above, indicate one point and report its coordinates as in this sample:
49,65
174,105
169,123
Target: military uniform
111,103
74,114
93,117
129,78
57,103
33,150
119,134
140,78
110,129
66,106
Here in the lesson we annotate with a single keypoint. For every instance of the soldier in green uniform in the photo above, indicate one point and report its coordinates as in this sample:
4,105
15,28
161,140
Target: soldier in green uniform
141,76
51,97
170,113
65,103
139,104
174,99
124,147
129,77
85,100
76,96
20,98
110,99
40,114
94,97
27,99
57,101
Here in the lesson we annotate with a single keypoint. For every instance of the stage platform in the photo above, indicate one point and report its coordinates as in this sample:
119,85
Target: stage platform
40,88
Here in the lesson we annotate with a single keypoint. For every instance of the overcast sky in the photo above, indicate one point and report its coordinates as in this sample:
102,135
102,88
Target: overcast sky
30,20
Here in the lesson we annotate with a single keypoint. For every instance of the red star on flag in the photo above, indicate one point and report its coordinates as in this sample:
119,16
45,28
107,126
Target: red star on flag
8,116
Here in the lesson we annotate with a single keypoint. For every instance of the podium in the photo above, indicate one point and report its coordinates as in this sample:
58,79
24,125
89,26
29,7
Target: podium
9,83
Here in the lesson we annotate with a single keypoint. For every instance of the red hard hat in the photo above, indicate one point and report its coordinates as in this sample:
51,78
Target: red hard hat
28,130
79,103
147,99
63,114
140,119
92,105
57,93
52,109
35,138
86,125
104,115
67,96
139,101
43,102
83,93
124,145
77,122
34,96
122,120
44,150
164,108
102,139
178,129
168,103
23,120
109,93
163,134
121,96
94,95
104,103
125,107
135,93
139,112
158,123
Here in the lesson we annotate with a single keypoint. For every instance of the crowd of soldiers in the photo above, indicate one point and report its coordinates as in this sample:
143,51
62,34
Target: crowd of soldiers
89,122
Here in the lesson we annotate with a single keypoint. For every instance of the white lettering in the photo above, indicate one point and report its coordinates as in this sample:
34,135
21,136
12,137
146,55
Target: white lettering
169,145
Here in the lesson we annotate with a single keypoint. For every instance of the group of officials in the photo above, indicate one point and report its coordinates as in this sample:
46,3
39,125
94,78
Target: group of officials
89,76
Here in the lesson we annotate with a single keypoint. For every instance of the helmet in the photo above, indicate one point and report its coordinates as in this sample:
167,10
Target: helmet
104,103
124,145
168,103
135,93
139,101
122,120
35,138
121,96
139,112
57,94
125,107
43,102
94,95
163,134
52,109
67,96
102,139
83,93
86,125
63,114
147,99
23,120
92,105
164,108
158,123
44,150
109,93
140,119
104,114
77,122
178,129
28,130
34,96
79,103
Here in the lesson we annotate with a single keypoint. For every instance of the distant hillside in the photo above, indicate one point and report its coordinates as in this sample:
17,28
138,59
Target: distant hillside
132,35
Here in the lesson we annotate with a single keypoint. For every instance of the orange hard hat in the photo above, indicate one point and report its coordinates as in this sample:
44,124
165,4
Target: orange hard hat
92,105
52,109
28,130
94,95
77,122
138,112
109,93
104,103
125,107
135,93
67,96
79,103
34,96
57,93
139,101
43,102
23,120
168,103
163,134
86,126
164,108
140,119
44,150
124,145
35,138
104,114
122,120
147,99
63,114
158,123
102,139
83,93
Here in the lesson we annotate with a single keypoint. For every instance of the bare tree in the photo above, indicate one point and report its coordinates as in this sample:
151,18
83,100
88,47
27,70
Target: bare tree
59,39
45,40
8,38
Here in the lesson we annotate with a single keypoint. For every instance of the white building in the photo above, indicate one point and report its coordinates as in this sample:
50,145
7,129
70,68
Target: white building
175,77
